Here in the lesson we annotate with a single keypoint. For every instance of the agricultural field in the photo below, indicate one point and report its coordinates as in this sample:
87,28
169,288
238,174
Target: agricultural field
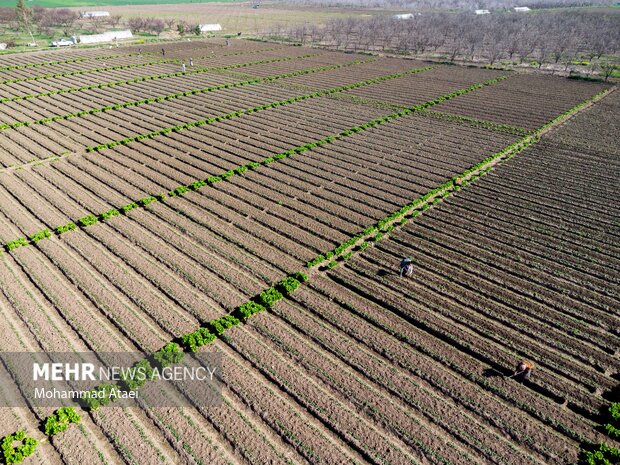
257,204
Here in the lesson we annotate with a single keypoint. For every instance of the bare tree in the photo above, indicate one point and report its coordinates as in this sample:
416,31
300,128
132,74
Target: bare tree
608,66
495,46
114,20
154,25
136,24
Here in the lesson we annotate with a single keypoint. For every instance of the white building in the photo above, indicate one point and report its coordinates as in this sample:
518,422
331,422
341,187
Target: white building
482,12
112,36
210,27
521,9
95,14
404,16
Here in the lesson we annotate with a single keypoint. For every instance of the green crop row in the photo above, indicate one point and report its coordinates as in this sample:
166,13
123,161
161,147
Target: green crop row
505,128
83,71
603,454
376,232
171,353
136,103
60,420
572,110
62,62
236,114
13,454
266,299
134,80
134,378
613,426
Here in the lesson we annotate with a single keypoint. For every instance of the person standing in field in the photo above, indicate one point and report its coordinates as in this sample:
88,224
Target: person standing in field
163,52
183,67
191,62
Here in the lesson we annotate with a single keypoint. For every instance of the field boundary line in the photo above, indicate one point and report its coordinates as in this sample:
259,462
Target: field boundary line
478,123
145,78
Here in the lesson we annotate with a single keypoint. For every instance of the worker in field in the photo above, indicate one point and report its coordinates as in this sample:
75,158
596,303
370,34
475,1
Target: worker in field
183,67
191,62
406,267
523,371
163,52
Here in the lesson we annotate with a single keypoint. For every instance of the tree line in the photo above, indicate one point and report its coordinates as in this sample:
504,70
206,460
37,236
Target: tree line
50,21
542,38
420,5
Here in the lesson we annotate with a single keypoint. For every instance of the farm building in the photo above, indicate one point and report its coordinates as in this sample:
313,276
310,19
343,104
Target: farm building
404,16
482,12
210,27
94,14
521,9
105,37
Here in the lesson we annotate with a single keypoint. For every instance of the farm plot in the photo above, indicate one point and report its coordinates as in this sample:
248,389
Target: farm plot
412,90
49,85
198,47
28,140
87,78
524,101
162,80
371,68
154,227
67,67
44,58
310,60
352,183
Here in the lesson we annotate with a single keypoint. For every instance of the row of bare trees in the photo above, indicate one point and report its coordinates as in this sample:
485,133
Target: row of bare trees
441,4
152,25
46,20
544,38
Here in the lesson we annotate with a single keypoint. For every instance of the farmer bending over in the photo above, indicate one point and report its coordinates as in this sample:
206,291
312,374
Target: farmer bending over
523,371
406,267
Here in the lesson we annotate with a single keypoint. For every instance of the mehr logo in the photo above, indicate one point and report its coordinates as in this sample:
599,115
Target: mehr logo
64,372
